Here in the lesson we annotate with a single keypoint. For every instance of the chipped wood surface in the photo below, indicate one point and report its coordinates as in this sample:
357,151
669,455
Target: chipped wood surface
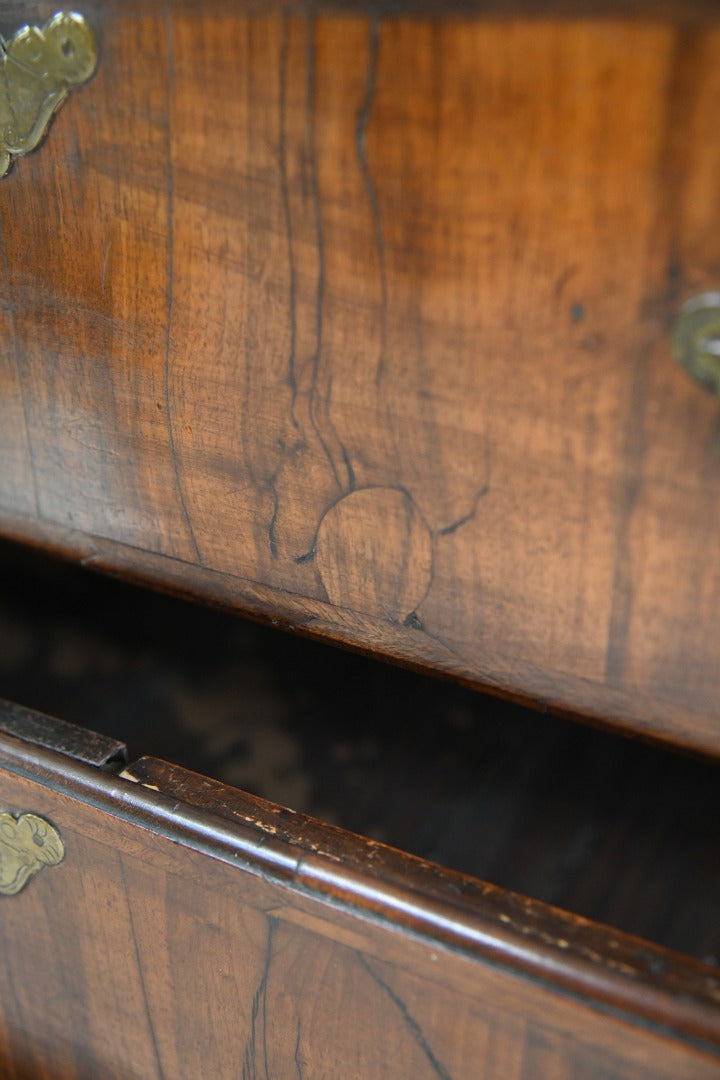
360,324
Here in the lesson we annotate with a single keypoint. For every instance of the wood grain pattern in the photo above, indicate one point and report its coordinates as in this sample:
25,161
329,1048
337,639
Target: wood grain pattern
361,324
192,930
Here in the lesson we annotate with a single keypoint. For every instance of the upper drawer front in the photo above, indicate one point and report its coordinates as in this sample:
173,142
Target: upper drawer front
363,323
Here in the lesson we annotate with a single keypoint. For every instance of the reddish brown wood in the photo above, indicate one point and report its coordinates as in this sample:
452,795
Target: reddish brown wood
361,324
517,931
195,930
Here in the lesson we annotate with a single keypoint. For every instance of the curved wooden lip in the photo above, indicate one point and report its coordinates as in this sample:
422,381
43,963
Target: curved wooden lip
608,970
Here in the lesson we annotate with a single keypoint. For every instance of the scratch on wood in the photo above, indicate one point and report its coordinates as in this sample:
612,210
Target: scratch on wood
72,426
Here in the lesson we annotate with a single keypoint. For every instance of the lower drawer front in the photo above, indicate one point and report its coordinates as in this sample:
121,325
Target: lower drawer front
192,930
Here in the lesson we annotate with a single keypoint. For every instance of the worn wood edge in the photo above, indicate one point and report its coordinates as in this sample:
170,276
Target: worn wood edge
59,735
672,994
353,868
591,702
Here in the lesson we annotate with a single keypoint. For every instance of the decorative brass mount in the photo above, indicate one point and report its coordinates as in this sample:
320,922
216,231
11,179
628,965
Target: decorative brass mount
27,844
696,339
39,66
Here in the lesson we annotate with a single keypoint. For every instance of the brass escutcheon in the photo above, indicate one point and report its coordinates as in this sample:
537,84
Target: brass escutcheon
39,66
28,843
696,339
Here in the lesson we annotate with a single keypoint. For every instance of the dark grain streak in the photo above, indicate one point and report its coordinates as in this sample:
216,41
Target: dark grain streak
471,514
273,520
682,86
259,1003
351,480
363,118
298,1057
307,556
410,1020
170,260
272,924
285,195
103,272
141,973
18,366
320,243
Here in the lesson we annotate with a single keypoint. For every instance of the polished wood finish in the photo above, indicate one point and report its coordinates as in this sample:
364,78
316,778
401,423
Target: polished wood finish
193,930
75,742
360,323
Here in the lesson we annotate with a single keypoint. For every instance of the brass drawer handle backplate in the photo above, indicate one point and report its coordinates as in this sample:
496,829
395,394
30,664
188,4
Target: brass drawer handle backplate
696,339
28,843
39,67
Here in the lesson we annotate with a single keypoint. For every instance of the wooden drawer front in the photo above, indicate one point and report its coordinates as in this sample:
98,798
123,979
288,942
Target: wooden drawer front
362,323
192,931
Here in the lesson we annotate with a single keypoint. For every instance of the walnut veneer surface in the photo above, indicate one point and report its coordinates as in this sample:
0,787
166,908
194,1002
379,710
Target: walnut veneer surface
359,321
194,930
